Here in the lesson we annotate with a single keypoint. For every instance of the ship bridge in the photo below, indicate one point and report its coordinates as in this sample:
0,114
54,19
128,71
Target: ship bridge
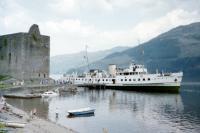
134,69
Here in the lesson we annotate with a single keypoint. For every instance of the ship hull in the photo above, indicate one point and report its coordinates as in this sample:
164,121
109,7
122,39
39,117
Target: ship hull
168,88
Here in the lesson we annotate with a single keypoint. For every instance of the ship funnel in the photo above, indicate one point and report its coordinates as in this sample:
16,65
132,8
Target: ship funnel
112,69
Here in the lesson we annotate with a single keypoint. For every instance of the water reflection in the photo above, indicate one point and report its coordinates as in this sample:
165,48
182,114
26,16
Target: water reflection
123,111
41,105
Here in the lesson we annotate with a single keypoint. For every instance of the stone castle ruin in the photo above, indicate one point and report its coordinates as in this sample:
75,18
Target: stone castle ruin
25,56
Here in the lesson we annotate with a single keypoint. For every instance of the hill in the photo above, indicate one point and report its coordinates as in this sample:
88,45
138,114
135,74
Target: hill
62,63
175,50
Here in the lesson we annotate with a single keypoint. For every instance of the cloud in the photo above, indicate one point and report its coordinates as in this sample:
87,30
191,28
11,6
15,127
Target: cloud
63,6
149,29
67,35
101,24
14,17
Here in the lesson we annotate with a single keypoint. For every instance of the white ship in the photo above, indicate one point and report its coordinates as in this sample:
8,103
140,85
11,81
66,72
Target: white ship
136,77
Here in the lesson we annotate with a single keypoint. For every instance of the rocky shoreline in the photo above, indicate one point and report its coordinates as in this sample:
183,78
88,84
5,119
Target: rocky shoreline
33,124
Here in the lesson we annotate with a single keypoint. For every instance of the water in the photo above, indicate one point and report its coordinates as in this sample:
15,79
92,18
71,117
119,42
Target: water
123,111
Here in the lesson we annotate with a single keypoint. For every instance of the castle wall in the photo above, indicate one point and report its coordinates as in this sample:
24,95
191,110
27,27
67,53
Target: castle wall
10,54
25,55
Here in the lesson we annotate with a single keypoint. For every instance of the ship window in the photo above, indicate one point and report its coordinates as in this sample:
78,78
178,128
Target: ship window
106,79
138,79
129,79
102,79
121,79
125,79
133,79
143,79
148,79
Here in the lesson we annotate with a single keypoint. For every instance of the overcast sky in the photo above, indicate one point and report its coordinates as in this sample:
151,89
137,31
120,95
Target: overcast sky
101,24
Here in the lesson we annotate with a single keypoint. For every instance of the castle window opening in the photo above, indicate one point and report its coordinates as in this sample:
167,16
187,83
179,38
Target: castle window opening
9,58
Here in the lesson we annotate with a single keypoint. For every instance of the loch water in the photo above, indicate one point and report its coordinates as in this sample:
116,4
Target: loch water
120,111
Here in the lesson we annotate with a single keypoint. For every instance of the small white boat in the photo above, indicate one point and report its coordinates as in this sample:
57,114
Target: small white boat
14,124
81,111
49,94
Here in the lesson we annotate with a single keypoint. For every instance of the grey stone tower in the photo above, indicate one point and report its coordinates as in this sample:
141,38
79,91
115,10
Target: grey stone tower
25,55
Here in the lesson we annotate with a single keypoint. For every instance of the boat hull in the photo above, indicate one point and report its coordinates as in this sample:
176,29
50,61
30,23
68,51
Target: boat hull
168,89
172,88
82,113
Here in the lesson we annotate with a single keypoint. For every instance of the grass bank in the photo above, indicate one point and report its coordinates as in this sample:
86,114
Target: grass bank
4,77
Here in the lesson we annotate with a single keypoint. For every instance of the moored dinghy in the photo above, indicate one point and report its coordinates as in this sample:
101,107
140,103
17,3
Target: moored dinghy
81,111
49,94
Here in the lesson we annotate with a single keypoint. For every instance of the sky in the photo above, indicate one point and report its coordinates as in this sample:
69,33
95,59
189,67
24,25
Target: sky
100,24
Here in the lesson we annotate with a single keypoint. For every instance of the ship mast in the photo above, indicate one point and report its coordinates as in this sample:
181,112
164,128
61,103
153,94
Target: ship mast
86,54
142,56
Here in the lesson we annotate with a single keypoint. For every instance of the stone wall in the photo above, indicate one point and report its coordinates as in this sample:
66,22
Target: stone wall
25,55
